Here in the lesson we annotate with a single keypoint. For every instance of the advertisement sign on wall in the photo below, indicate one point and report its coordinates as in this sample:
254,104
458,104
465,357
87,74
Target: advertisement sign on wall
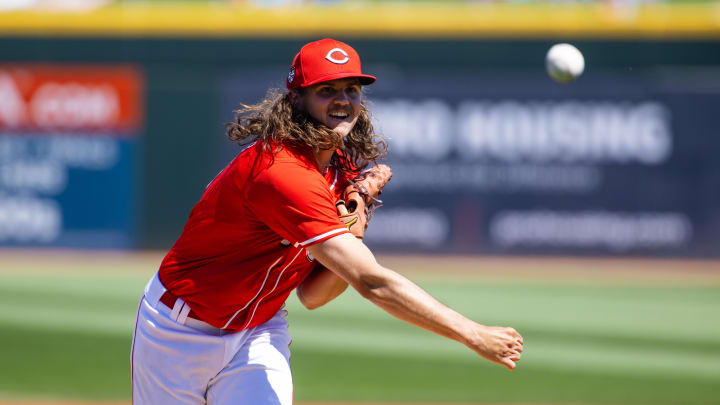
511,162
68,150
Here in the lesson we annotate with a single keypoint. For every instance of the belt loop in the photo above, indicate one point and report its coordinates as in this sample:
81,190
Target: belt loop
183,315
175,314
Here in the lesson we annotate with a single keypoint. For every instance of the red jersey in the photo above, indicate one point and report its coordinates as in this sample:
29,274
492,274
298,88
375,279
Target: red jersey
242,250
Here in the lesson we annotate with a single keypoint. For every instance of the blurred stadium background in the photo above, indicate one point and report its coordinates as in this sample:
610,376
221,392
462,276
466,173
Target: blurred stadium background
585,215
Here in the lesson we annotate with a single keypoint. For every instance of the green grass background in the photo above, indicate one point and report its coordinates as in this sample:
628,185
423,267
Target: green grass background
68,336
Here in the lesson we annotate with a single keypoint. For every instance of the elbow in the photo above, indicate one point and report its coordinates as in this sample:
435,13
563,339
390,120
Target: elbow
312,304
315,301
307,302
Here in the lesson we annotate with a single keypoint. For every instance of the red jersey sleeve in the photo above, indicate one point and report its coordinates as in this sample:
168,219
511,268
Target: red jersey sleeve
295,201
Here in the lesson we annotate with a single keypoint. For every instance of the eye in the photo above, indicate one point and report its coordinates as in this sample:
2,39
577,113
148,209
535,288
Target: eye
326,91
353,90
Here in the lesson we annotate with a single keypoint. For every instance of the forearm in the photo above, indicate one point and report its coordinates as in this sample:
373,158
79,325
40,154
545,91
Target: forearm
405,300
394,293
351,260
321,287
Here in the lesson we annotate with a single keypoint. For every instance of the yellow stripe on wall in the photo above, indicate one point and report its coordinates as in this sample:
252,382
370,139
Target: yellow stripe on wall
389,20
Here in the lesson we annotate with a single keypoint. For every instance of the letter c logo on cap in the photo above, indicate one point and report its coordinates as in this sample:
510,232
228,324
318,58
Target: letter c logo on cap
330,57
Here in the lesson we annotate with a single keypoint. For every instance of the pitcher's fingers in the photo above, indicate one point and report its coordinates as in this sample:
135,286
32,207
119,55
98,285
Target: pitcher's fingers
341,208
513,332
507,363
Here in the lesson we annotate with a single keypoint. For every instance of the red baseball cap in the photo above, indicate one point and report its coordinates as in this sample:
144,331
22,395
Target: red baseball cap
325,60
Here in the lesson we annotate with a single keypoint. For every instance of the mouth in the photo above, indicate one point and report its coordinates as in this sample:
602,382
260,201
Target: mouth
340,115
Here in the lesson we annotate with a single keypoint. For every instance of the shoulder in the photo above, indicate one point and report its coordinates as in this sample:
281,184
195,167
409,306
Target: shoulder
286,164
290,172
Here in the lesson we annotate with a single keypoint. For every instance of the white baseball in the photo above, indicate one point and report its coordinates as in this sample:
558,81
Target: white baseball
564,63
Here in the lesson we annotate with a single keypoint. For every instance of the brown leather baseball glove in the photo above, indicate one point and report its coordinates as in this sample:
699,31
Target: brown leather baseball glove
360,198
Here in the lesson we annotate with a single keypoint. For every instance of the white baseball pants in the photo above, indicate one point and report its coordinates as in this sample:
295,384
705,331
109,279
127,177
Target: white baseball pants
186,361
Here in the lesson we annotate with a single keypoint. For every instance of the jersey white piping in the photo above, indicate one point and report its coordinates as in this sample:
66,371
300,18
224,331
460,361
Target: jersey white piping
332,186
267,274
311,240
247,147
257,305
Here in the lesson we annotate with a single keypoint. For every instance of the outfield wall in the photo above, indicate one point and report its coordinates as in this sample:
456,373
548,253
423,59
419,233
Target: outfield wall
490,156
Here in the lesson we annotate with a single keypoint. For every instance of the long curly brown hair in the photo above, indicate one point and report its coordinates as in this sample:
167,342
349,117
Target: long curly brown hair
275,120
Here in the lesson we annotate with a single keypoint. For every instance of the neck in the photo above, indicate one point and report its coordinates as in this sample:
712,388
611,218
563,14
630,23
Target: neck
323,157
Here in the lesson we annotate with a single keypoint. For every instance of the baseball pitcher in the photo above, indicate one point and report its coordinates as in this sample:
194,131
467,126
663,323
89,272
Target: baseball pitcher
288,213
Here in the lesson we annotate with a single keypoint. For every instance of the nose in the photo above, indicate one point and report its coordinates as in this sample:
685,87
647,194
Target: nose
342,98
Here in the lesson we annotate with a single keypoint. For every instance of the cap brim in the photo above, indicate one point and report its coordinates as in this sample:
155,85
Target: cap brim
364,79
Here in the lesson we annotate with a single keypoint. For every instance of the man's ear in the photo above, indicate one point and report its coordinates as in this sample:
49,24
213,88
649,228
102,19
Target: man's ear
295,98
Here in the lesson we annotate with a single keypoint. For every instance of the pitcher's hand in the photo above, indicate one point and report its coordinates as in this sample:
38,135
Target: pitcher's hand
498,344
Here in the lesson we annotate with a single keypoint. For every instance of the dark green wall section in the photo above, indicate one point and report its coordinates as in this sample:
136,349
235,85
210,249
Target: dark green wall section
183,132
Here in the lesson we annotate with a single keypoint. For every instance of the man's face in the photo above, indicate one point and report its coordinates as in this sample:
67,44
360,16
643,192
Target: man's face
335,104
